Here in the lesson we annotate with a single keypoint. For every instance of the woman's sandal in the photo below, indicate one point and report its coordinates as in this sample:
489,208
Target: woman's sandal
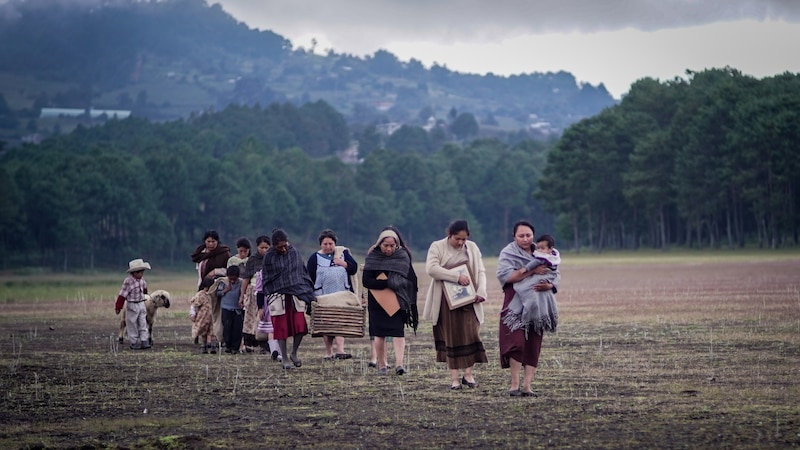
470,384
296,361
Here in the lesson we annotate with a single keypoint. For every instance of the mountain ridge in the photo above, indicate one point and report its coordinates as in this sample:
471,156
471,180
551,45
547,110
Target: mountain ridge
169,59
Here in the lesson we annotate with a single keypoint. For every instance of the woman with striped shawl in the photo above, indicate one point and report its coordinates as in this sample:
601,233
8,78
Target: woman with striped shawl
288,291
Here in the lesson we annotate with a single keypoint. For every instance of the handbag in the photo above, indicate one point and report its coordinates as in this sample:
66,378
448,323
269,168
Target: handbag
264,327
276,305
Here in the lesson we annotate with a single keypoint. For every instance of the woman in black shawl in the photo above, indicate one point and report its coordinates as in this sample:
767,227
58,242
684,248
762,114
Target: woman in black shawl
388,266
288,291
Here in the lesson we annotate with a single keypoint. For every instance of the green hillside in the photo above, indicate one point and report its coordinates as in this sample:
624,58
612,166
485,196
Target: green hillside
167,60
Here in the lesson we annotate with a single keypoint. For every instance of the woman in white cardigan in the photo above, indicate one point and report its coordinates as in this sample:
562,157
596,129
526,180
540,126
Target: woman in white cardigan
456,333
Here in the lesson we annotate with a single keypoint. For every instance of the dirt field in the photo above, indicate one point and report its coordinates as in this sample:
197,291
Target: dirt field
702,354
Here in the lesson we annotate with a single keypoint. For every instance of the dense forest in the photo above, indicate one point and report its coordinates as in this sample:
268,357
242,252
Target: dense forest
100,195
706,162
710,161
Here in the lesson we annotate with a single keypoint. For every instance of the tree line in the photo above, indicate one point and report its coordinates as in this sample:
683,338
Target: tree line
133,188
709,161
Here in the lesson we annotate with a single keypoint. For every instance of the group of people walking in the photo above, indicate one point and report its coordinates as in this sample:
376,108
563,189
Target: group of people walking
270,292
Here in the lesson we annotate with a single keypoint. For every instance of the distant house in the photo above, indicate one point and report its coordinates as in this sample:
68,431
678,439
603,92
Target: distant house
388,128
76,112
429,124
34,138
383,106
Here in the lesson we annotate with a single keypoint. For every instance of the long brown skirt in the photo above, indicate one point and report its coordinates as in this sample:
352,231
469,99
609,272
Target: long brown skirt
513,344
457,337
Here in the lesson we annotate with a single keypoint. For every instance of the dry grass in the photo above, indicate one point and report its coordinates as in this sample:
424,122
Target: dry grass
686,353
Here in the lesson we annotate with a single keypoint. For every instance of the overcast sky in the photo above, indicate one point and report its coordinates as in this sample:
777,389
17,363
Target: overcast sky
613,42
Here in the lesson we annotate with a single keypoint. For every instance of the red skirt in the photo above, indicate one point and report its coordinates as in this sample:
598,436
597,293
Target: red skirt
293,323
513,344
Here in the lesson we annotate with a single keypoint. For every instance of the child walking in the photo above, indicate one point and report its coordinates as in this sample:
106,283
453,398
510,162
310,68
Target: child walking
200,314
229,292
132,295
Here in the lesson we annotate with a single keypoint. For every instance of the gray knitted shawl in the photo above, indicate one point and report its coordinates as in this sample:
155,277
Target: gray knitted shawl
529,309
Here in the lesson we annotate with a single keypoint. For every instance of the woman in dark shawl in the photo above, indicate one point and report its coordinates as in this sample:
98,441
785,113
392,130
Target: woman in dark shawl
210,257
211,260
288,291
388,266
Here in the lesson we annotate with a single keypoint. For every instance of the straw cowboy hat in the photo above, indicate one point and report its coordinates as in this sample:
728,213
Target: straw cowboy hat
137,265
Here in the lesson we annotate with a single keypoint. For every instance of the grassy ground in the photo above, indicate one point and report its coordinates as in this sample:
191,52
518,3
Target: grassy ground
665,351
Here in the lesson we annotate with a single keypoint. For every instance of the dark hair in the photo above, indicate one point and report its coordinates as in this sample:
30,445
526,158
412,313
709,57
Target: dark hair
278,235
211,234
232,271
206,283
327,233
263,238
457,226
243,242
524,223
551,242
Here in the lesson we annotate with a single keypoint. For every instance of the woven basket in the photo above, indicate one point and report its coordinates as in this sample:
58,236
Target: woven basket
347,321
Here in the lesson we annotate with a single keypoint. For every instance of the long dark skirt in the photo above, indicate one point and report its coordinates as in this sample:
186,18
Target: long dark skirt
383,325
290,324
457,337
513,344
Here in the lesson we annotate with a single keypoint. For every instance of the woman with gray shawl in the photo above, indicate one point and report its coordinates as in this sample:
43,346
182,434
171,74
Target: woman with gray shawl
529,308
288,291
388,266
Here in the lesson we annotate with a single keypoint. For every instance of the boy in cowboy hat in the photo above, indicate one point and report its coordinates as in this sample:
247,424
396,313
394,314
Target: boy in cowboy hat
132,294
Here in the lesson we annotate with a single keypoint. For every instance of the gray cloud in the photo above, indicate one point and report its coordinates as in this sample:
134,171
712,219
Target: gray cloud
381,21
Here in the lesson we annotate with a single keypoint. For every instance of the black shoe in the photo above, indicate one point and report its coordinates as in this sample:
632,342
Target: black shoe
296,361
343,356
205,349
528,394
372,364
515,393
456,387
275,355
399,370
472,385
